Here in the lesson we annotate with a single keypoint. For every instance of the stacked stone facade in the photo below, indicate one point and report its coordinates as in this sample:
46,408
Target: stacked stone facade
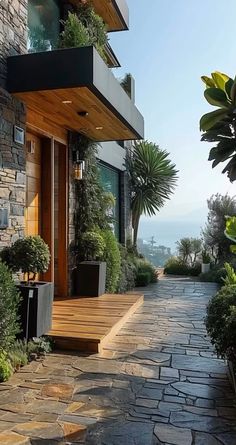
13,40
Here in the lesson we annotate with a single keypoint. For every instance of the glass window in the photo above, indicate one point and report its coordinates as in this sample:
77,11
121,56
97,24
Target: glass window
111,183
43,25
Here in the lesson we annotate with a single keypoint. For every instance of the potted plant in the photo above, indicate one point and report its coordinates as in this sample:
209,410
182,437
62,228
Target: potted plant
90,274
31,256
206,261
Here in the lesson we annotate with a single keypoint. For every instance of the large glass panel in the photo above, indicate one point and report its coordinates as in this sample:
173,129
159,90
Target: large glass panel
43,25
110,182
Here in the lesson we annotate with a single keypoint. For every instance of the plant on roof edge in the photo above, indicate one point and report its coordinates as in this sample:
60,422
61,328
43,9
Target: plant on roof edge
82,29
219,126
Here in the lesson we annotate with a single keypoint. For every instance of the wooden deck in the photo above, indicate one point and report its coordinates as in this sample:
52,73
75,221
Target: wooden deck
87,324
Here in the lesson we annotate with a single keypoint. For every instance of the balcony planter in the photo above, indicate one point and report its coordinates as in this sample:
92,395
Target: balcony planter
36,308
90,278
205,267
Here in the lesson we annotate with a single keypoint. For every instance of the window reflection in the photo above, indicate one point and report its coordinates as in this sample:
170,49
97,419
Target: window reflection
110,182
43,25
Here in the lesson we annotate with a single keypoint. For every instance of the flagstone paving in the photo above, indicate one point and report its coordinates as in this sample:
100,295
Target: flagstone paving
157,383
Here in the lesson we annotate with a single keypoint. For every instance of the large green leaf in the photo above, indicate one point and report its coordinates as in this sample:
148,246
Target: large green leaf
233,92
220,79
217,97
228,88
210,119
230,230
208,82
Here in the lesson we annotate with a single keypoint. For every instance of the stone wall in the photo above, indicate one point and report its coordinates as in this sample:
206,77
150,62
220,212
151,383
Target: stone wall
13,40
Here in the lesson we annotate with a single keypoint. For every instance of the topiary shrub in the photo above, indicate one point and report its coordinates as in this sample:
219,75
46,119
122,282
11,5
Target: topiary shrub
113,260
30,255
221,322
143,279
5,367
92,246
9,303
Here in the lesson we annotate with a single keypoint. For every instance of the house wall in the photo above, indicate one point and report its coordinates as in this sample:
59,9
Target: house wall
13,29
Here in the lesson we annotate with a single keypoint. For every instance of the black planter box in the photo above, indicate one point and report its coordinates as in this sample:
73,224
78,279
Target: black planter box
90,279
36,304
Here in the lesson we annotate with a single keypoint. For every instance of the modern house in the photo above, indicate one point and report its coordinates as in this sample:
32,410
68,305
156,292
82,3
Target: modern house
48,98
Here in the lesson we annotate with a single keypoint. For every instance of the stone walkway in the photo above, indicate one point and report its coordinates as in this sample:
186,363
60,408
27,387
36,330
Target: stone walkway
157,383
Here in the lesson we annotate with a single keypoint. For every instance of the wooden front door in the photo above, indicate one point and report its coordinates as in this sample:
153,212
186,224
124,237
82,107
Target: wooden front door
33,185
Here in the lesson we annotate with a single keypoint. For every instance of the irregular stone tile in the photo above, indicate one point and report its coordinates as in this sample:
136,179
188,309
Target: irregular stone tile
168,406
73,407
148,403
16,417
173,435
48,417
206,439
135,369
197,363
198,390
205,403
197,422
45,406
14,396
175,399
150,393
169,373
42,430
73,432
228,438
61,391
201,411
117,433
10,438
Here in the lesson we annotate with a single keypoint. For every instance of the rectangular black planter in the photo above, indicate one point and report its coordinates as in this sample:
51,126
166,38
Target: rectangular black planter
37,303
90,279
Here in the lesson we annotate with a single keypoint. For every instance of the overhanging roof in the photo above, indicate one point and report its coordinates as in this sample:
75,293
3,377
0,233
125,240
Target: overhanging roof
115,13
62,85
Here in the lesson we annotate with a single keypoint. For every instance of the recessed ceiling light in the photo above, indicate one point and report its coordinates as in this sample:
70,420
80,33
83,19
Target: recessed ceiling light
67,101
99,128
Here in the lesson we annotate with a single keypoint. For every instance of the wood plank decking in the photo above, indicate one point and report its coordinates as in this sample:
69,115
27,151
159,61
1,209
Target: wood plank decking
87,324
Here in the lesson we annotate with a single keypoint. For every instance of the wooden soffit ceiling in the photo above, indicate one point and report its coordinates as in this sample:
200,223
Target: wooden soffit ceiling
76,90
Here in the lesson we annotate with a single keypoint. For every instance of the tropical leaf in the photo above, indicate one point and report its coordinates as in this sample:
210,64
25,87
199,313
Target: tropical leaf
233,92
220,79
233,249
230,230
208,82
208,120
230,169
228,88
216,97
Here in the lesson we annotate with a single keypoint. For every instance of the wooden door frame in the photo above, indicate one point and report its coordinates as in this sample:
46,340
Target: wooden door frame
47,205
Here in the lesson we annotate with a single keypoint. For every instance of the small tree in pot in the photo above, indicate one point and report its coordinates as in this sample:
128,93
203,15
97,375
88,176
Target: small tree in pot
31,256
90,275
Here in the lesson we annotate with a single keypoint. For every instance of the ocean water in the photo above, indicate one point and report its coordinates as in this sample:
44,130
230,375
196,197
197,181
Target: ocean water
166,233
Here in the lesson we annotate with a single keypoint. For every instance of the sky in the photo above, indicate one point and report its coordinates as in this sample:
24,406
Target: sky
170,44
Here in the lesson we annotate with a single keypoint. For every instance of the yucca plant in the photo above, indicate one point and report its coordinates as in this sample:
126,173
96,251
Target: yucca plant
152,178
219,126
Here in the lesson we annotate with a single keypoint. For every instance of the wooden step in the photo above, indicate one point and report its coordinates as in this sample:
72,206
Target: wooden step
88,324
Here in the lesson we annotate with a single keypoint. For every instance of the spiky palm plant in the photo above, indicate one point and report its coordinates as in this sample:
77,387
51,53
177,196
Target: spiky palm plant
152,180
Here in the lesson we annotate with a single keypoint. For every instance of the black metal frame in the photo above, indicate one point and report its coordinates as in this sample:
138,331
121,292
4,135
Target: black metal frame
74,68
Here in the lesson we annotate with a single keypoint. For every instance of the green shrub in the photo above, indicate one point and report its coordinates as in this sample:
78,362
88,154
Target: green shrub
215,275
128,271
176,266
143,279
5,367
92,245
221,322
230,275
17,359
113,260
194,270
9,302
144,266
84,29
